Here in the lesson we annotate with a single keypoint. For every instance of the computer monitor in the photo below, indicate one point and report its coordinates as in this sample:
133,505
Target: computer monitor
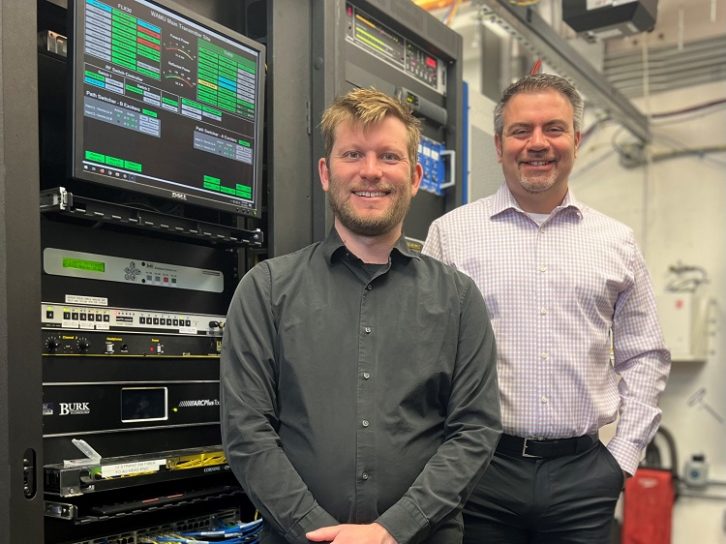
166,102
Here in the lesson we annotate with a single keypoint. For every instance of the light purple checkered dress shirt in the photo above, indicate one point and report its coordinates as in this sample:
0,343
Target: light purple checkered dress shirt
554,293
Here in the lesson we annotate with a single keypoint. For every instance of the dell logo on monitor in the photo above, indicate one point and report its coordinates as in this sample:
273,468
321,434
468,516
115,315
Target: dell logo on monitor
180,196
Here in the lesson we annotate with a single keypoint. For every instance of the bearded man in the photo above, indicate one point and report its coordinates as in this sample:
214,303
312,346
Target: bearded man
359,390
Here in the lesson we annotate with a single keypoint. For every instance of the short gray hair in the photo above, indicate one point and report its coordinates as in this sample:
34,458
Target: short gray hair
540,82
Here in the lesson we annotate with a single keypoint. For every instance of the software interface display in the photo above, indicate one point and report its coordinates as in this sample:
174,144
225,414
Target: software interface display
166,104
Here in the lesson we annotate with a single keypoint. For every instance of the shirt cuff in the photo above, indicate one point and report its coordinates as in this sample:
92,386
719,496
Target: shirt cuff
404,520
315,519
627,455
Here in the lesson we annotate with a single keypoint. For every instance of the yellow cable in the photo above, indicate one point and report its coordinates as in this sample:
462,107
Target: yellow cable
429,5
451,16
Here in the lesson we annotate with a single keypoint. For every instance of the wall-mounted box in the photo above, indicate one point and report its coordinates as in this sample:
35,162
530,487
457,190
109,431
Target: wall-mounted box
684,319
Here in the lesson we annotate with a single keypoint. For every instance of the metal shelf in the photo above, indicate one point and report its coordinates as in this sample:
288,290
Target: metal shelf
59,200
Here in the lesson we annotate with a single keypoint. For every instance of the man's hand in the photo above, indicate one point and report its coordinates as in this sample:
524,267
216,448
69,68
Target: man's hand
352,534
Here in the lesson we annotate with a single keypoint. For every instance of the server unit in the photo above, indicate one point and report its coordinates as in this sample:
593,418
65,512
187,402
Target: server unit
404,51
151,191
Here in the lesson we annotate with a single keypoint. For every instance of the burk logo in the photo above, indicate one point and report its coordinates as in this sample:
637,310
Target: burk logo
73,408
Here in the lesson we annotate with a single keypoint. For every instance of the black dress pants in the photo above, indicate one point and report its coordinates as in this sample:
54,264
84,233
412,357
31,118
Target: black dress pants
561,500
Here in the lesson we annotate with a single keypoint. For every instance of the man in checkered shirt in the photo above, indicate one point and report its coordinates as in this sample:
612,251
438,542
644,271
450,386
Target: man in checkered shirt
574,316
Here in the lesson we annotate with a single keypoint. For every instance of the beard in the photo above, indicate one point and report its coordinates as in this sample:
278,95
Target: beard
537,184
363,224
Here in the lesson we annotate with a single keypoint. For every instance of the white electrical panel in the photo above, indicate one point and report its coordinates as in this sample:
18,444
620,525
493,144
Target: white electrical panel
683,317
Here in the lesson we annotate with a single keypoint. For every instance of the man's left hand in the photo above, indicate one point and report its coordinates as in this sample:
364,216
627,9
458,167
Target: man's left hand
372,533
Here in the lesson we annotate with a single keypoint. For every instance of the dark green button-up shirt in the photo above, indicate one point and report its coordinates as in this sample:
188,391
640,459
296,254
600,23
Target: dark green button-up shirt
353,394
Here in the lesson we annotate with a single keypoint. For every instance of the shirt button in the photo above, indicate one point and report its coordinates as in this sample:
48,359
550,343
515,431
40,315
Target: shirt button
543,268
543,311
366,375
365,423
544,355
369,287
364,476
367,330
544,399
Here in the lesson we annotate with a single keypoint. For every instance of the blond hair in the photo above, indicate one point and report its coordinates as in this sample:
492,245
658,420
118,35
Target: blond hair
368,107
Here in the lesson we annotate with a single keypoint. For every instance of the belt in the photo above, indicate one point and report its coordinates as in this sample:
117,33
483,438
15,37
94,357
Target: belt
541,449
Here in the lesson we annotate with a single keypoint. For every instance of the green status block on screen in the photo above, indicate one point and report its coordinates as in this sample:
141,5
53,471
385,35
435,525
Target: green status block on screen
84,264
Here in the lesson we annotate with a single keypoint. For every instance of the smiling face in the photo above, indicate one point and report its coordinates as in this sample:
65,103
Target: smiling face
369,178
537,148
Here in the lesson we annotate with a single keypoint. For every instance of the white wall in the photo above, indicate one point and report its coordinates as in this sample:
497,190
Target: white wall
678,211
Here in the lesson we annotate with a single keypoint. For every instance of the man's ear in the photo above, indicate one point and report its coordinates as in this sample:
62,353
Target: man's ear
498,145
416,179
578,139
324,173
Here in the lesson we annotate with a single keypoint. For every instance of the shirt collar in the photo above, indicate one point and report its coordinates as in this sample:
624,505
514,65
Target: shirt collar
333,246
504,200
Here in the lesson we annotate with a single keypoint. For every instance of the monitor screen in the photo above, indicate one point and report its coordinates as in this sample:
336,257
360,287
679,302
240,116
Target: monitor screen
166,103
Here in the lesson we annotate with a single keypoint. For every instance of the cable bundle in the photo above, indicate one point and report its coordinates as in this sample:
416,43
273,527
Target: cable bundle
236,533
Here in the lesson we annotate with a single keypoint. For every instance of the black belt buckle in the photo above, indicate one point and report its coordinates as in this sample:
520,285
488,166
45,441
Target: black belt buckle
524,450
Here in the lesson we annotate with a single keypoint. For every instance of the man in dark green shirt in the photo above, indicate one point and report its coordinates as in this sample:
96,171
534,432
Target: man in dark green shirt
359,390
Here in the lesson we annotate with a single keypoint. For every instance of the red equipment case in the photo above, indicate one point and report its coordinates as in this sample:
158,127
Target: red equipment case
648,507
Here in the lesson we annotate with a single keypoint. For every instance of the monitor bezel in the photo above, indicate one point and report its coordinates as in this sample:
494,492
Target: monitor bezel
177,194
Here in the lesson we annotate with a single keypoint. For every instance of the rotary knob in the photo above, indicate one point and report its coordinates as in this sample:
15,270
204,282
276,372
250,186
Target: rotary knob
51,344
82,344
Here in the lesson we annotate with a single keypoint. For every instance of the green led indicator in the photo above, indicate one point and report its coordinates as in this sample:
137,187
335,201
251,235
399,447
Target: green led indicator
94,75
191,104
93,156
114,161
133,166
149,73
211,110
84,264
149,37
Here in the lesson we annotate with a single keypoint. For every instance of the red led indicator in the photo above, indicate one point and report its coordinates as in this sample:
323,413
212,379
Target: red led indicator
431,62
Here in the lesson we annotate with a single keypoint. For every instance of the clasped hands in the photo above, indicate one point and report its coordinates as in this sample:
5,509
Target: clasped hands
347,533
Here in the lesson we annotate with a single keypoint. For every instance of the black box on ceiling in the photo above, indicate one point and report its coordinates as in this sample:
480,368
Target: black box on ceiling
610,18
